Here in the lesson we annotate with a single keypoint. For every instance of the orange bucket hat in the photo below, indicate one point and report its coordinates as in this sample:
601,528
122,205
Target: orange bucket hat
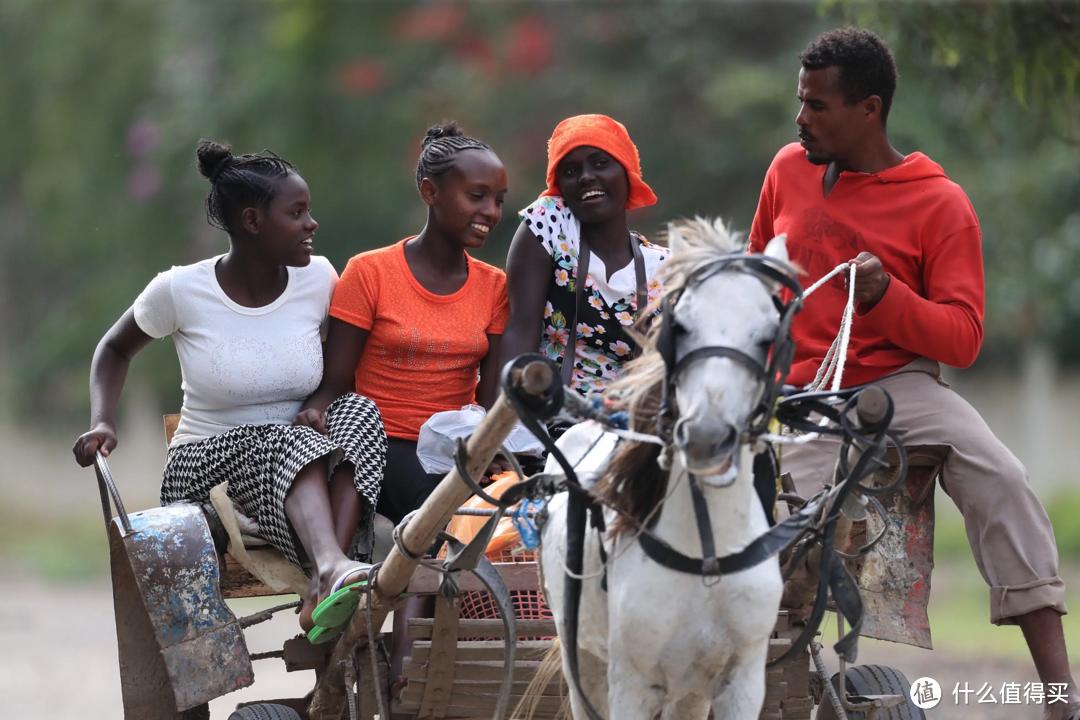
598,131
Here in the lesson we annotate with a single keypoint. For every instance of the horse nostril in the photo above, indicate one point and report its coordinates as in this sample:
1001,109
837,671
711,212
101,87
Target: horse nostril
680,434
726,440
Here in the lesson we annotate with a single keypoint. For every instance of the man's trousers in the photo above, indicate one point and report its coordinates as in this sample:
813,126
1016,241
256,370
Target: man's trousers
1007,526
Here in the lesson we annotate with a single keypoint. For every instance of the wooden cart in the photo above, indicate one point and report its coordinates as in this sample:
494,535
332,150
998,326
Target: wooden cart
456,664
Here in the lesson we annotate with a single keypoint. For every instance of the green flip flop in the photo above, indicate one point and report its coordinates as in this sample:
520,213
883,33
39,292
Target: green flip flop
337,609
318,635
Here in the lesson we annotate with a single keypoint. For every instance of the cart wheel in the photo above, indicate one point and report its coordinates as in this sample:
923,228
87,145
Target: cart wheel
874,680
265,711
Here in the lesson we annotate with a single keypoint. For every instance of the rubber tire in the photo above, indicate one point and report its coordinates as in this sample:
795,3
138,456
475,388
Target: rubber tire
265,711
874,680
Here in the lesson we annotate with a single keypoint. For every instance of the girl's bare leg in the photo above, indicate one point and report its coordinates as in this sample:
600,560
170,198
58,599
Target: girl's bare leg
309,510
346,505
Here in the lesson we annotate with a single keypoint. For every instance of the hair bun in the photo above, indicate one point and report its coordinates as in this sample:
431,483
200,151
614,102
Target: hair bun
213,158
447,128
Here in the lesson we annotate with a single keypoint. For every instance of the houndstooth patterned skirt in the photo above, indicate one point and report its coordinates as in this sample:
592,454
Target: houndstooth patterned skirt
260,463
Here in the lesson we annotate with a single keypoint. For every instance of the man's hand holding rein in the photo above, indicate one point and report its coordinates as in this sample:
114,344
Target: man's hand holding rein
871,280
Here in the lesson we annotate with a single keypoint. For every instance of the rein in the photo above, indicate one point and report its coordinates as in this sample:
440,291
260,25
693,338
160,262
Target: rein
771,377
815,521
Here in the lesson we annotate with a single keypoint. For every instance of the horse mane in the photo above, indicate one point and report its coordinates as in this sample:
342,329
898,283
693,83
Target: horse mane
634,483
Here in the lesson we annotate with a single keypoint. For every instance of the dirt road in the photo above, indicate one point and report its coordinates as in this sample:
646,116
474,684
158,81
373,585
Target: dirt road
59,655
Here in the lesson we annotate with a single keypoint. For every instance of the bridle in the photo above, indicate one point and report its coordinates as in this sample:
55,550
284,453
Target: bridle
771,375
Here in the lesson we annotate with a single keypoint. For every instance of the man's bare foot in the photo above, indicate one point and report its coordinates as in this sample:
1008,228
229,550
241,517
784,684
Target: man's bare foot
322,586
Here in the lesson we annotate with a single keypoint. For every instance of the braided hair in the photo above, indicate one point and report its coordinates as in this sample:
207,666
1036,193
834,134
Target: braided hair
440,148
237,181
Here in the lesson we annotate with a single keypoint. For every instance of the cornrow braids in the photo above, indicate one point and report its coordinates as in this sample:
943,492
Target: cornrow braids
441,146
237,181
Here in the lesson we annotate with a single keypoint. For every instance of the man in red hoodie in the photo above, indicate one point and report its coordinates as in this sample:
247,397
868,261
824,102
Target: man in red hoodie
844,194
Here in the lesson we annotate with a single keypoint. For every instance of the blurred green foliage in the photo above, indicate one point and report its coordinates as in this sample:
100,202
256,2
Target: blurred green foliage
1001,82
73,550
104,100
1031,49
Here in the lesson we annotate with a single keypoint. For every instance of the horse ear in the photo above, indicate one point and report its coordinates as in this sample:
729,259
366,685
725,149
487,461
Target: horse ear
777,248
674,238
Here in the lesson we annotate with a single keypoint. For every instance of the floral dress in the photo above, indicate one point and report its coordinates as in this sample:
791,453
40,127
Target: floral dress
608,305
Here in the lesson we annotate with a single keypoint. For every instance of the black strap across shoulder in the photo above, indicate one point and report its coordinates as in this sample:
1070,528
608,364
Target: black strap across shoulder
642,292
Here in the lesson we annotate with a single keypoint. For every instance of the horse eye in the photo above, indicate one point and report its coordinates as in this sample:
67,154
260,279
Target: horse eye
679,329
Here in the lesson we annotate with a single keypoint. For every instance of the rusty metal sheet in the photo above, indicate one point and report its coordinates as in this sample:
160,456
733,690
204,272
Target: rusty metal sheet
178,640
895,576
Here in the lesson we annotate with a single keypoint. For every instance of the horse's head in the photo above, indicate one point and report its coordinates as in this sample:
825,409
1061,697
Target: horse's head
716,340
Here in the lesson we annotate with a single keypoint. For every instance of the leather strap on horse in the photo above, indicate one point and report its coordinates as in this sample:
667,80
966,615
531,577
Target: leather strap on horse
577,508
570,349
576,511
710,565
834,575
763,547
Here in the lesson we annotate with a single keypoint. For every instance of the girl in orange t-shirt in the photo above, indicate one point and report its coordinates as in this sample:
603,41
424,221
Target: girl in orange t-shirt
412,324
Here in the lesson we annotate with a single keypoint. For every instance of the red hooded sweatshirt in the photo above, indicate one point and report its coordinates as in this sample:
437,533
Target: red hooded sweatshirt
922,227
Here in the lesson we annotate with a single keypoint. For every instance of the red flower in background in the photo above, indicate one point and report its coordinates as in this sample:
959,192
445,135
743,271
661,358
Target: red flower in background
144,181
142,138
437,21
530,145
530,44
363,76
605,26
477,54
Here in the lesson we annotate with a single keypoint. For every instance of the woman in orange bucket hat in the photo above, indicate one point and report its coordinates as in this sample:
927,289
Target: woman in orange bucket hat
577,229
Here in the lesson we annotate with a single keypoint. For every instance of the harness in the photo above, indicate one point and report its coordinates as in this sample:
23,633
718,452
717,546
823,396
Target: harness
817,518
771,376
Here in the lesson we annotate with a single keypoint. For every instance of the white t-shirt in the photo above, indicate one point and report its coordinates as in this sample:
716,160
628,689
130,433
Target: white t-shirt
240,365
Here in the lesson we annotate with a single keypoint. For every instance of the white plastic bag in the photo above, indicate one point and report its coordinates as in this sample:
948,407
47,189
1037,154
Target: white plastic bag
439,436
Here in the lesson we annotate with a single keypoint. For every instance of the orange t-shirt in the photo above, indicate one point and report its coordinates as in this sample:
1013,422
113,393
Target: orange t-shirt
424,350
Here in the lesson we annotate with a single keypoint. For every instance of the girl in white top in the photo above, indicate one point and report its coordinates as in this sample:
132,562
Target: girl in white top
247,331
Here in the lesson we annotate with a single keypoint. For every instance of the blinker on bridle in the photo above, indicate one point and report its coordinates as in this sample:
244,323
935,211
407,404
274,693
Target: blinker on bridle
771,375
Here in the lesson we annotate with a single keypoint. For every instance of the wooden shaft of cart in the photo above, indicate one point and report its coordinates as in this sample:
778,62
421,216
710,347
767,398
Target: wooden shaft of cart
328,700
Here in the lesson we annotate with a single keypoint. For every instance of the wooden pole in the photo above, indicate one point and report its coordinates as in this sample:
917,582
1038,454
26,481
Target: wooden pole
328,700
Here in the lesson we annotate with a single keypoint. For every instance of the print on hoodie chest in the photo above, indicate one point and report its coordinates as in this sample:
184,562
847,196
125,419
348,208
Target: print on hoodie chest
820,244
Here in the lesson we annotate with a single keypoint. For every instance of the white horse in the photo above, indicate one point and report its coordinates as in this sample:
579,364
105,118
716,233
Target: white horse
659,642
